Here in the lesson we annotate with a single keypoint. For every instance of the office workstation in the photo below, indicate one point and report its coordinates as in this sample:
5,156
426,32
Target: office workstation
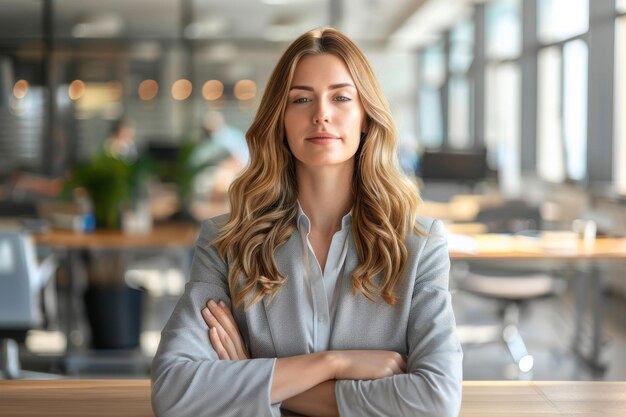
122,127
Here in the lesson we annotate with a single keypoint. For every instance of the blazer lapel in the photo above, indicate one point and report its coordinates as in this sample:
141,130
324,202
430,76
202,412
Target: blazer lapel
284,315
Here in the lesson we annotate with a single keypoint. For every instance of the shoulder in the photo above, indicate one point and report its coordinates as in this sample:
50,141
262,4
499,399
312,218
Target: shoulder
428,227
211,227
432,234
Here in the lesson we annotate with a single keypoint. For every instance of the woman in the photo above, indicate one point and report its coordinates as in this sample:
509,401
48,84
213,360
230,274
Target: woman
338,291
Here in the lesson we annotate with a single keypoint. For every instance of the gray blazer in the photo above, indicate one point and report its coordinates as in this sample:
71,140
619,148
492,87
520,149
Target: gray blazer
188,379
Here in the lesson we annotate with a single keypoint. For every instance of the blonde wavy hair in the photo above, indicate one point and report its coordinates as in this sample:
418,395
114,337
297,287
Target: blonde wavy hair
263,199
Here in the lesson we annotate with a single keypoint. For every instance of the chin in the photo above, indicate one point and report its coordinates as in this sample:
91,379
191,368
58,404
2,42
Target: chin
321,162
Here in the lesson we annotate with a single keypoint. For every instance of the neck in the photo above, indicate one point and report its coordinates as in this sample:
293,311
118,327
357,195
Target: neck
325,194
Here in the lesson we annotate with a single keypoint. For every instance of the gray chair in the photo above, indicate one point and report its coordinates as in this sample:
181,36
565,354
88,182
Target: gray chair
27,298
510,285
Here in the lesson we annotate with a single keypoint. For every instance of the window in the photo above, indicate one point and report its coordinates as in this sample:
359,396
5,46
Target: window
550,153
575,65
562,117
619,165
620,5
433,74
503,83
459,113
461,47
561,19
459,88
503,29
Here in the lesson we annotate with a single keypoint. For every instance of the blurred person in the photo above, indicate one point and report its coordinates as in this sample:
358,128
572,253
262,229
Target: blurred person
121,142
221,137
221,156
322,292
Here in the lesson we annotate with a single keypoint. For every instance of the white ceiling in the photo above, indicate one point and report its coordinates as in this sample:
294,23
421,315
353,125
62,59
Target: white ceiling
231,39
240,21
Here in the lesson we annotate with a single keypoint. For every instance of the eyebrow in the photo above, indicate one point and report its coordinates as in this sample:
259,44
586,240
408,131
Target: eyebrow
331,87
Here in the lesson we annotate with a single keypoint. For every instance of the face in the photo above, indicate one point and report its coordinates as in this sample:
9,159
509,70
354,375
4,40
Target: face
324,117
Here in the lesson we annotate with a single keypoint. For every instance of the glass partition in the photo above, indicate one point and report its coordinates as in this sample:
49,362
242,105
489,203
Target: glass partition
22,86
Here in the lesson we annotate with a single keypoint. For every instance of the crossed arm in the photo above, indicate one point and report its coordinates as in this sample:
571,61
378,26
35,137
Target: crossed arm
305,383
190,378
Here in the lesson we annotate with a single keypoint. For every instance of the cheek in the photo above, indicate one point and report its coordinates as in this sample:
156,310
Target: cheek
292,123
288,125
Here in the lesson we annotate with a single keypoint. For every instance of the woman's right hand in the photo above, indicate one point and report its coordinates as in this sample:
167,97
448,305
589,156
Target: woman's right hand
367,364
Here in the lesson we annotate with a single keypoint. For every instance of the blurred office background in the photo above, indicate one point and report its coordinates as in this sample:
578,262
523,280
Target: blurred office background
510,116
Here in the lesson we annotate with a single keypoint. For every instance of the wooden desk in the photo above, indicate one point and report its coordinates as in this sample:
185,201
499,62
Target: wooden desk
174,236
131,398
543,398
585,259
165,235
506,247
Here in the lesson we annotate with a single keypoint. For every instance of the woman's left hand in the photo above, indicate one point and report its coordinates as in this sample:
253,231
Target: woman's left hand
223,332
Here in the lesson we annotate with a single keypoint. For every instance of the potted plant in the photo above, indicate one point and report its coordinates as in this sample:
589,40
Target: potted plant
110,182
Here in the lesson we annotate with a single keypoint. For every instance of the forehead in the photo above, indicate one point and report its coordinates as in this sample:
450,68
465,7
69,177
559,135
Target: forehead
323,69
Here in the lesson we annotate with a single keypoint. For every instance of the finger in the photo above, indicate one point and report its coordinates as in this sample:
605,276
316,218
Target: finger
219,339
217,344
223,315
227,343
208,317
236,334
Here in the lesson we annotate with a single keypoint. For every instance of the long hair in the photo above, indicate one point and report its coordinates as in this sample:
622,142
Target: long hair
263,199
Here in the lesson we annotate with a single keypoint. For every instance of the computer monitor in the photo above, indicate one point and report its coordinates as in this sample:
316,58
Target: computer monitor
457,166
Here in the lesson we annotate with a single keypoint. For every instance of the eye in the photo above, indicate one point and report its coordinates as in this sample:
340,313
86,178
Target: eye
301,100
342,98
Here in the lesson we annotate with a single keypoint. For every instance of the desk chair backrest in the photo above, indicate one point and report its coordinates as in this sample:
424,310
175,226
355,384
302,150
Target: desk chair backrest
511,217
20,282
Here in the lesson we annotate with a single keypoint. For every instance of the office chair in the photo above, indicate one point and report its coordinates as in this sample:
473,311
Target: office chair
27,296
512,286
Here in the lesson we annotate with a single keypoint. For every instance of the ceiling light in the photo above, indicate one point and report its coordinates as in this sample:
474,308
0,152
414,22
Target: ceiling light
181,89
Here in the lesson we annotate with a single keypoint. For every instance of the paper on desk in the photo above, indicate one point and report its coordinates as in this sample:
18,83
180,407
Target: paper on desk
492,243
461,243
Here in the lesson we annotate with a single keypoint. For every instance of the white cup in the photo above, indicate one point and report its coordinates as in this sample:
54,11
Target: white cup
586,230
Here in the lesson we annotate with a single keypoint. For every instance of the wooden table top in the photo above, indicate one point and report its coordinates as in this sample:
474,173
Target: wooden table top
162,236
126,398
494,246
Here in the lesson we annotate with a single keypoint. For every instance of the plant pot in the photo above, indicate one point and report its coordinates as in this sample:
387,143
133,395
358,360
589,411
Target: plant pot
114,314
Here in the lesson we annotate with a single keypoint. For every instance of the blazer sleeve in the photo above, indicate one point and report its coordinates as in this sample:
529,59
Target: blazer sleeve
433,382
188,379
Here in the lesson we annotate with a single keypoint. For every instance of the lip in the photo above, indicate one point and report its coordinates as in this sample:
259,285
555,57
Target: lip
320,136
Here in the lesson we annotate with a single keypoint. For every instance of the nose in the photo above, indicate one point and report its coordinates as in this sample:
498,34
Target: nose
322,114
